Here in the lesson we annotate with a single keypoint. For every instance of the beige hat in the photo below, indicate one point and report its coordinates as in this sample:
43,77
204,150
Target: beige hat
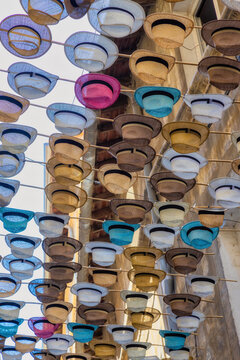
211,217
25,343
143,320
11,107
104,277
61,248
142,256
136,301
57,311
145,278
104,349
171,213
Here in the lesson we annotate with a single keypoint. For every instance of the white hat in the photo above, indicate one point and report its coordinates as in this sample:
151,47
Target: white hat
188,323
232,4
16,138
171,213
58,344
161,236
89,294
9,285
10,164
10,353
21,269
181,354
9,310
51,225
208,108
226,191
8,188
122,334
136,301
202,285
22,246
186,166
103,253
136,350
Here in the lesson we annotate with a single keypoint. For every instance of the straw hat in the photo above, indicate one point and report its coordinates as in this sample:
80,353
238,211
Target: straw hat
43,354
136,350
23,38
9,285
61,248
136,301
120,233
9,328
29,81
45,12
22,246
46,290
202,285
116,18
171,213
104,349
143,320
183,353
10,353
174,339
9,310
122,334
16,138
236,139
21,269
51,225
104,277
226,191
189,323
8,189
15,220
114,179
25,343
168,30
96,315
150,67
182,304
198,236
58,344
183,260
232,4
223,73
131,211
185,137
137,130
10,164
88,294
81,332
12,106
41,327
211,217
65,198
161,236
73,356
145,278
77,9
142,256
57,312
97,91
223,35
62,271
171,186
103,253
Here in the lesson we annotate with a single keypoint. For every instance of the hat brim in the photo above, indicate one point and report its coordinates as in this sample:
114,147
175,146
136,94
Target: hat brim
215,183
224,99
53,162
39,215
147,205
203,130
72,242
78,286
149,227
174,252
188,226
9,237
9,258
38,282
30,130
236,166
24,4
140,92
125,293
159,204
128,252
92,244
143,269
193,298
169,154
209,61
107,223
58,136
122,145
106,307
24,102
76,267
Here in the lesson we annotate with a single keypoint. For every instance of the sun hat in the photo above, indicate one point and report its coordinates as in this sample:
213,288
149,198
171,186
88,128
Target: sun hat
15,220
103,253
9,310
9,285
136,301
12,106
160,235
73,356
22,246
58,344
104,277
202,285
222,72
29,81
171,213
173,339
157,101
23,38
142,256
183,260
10,353
89,294
136,349
57,312
10,164
143,320
236,139
145,278
25,343
9,328
62,271
182,304
232,4
20,268
168,30
188,323
62,248
129,210
46,290
104,349
180,354
41,327
116,18
122,334
43,354
8,189
51,225
96,315
120,233
198,236
97,91
77,8
16,138
45,12
211,217
226,191
82,333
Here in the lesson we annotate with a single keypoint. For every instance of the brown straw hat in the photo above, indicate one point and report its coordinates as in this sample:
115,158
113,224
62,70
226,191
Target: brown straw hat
142,256
143,320
61,248
25,343
211,217
104,277
183,260
62,271
46,290
57,311
137,130
95,315
145,278
12,106
77,9
104,349
182,304
130,211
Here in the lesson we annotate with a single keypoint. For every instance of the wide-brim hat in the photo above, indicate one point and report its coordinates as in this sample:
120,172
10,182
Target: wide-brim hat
171,213
89,247
38,32
57,312
145,278
120,233
142,319
229,191
8,189
61,248
58,344
203,237
10,164
183,260
24,267
174,339
142,256
62,271
204,281
22,246
104,348
122,334
182,304
132,211
160,235
51,225
77,9
24,343
104,277
82,332
224,72
27,136
96,315
103,253
15,220
128,293
9,285
232,4
89,286
43,354
12,106
9,309
211,217
51,291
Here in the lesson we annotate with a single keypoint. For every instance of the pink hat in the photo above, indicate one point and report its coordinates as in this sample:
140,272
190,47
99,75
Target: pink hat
41,327
97,91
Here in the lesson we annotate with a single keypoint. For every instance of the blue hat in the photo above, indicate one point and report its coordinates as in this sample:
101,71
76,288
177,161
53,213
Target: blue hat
10,164
82,332
9,327
20,268
48,13
198,236
173,339
15,220
120,233
157,101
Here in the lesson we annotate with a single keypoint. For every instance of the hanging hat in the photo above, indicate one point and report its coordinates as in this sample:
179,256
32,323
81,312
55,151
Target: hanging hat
61,248
182,304
29,81
136,349
143,320
183,260
25,343
160,235
198,236
16,138
97,91
171,213
11,107
15,220
223,35
130,158
82,333
96,315
8,189
202,285
46,290
103,253
142,256
173,339
24,38
104,349
120,233
157,101
232,4
73,356
223,73
62,271
10,353
10,164
45,12
57,311
21,269
116,18
65,198
58,344
136,301
137,130
168,30
41,327
77,8
43,354
89,294
226,191
104,277
211,217
9,285
122,334
9,328
51,225
131,211
185,137
9,310
188,323
22,246
145,278
183,353
236,139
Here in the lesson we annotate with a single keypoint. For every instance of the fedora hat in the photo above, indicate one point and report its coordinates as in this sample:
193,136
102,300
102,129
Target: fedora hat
21,269
41,327
29,81
104,349
160,235
130,158
120,233
57,312
223,35
97,91
136,301
61,248
202,285
168,30
73,356
9,285
211,217
22,246
62,271
96,315
9,310
171,213
236,139
16,138
151,67
116,18
11,107
51,225
8,189
226,191
143,320
25,343
136,349
10,164
45,12
9,328
122,334
208,108
114,179
145,278
183,353
88,294
15,220
104,277
232,4
188,323
157,101
222,72
183,260
171,186
46,290
22,37
103,253
77,8
82,333
142,256
58,344
198,236
65,198
185,137
137,130
43,354
10,353
182,304
174,339
131,211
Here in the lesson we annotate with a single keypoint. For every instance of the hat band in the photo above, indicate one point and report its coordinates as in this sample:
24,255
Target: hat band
75,356
26,240
157,229
231,187
120,172
132,151
90,82
158,92
136,346
129,123
175,334
9,322
57,305
222,29
32,74
186,254
142,273
210,212
91,43
169,22
186,157
31,338
57,338
131,205
8,279
8,153
192,316
199,228
63,243
125,227
84,327
177,207
105,344
69,141
70,166
57,266
108,272
144,253
103,248
116,8
42,321
122,328
136,296
70,112
225,66
208,101
12,213
22,261
154,59
86,288
7,186
11,100
47,285
16,131
10,304
51,218
74,4
185,130
23,27
203,279
185,299
66,191
172,179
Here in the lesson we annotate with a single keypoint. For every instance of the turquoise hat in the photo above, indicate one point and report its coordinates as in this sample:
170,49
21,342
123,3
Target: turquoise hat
15,220
9,328
120,233
82,333
157,101
197,235
173,339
